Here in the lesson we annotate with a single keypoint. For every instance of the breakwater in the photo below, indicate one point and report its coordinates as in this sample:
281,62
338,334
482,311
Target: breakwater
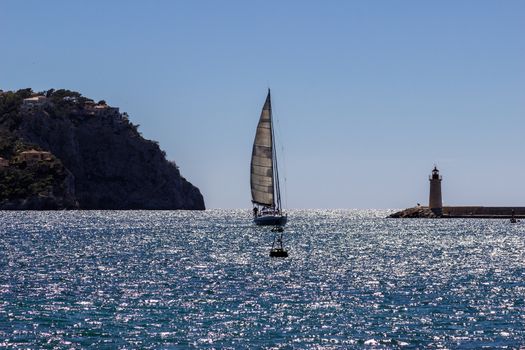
483,212
478,212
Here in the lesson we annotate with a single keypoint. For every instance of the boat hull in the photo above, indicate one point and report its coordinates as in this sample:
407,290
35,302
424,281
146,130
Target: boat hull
271,220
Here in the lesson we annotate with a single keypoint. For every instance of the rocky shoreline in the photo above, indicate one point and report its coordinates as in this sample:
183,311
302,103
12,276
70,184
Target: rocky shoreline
414,212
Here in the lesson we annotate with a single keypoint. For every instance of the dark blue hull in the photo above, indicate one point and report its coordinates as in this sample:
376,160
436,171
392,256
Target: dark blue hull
271,220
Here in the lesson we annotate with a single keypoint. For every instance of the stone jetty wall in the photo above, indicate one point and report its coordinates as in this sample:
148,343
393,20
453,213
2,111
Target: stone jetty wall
478,212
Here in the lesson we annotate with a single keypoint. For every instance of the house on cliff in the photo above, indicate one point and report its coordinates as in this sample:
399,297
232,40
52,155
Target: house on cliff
35,102
103,109
99,109
33,156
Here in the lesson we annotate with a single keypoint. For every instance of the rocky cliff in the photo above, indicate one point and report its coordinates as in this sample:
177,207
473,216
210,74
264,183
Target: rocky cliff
100,159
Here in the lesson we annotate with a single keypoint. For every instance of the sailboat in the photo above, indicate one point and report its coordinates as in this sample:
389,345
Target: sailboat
264,174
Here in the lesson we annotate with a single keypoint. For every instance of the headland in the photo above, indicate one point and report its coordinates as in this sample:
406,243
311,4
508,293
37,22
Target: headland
61,150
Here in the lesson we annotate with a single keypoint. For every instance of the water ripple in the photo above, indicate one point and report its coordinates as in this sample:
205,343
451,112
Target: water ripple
163,279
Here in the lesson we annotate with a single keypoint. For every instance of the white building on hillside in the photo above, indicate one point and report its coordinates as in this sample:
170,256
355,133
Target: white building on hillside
34,102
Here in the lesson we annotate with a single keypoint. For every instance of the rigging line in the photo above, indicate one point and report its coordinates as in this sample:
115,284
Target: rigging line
282,156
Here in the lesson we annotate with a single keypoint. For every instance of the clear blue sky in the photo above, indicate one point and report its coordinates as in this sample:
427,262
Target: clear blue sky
368,94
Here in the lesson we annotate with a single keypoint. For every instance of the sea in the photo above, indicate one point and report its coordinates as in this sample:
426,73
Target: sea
353,279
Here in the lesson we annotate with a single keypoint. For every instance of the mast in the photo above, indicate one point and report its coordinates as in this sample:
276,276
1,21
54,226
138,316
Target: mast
277,190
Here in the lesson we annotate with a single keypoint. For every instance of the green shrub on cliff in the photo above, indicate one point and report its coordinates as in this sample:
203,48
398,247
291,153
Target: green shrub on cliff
10,103
22,180
11,145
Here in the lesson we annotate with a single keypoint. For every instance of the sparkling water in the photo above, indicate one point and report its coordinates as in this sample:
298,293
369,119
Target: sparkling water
178,280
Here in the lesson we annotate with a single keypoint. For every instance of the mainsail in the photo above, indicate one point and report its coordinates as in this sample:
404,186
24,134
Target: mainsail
261,175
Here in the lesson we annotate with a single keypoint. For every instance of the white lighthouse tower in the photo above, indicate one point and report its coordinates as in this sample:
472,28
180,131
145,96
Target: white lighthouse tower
435,202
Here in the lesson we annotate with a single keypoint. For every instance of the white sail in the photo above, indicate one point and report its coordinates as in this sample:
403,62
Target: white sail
261,174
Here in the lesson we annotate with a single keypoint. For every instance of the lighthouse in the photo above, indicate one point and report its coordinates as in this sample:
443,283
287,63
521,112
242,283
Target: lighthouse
435,202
